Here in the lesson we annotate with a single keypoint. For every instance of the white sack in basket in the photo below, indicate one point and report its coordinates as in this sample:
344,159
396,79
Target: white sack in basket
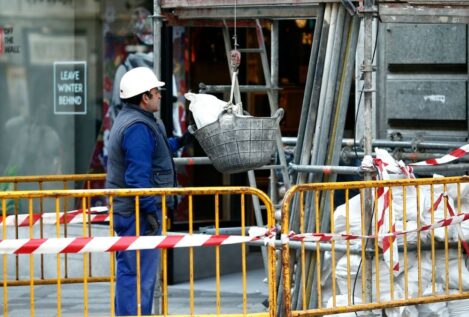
205,108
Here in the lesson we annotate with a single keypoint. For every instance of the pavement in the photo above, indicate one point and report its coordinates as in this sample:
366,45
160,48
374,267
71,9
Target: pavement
72,303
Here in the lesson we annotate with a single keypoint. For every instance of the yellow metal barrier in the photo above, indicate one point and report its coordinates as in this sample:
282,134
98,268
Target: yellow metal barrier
340,276
25,274
345,274
18,206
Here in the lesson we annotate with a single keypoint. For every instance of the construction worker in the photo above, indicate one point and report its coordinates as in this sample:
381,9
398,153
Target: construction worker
140,156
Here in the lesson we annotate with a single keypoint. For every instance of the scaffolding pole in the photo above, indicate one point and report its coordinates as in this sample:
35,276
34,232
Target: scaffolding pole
367,133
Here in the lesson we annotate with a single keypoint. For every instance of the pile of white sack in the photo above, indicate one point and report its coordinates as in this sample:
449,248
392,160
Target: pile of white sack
452,308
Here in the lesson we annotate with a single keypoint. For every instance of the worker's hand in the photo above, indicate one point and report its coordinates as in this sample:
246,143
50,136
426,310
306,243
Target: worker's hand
186,139
153,225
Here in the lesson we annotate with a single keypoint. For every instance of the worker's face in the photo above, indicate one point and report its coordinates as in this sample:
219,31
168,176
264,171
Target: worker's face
152,102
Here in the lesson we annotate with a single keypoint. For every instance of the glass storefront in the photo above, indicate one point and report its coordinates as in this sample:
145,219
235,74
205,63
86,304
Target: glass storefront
58,62
49,85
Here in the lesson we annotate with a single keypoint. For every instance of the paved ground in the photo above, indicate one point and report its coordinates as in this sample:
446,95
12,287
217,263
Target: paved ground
45,304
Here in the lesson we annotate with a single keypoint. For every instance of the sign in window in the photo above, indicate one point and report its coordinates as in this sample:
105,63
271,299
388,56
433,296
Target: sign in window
70,87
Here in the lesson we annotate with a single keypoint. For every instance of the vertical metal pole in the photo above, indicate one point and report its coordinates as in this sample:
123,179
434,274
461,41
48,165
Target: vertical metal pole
273,97
157,37
274,58
274,80
367,135
157,23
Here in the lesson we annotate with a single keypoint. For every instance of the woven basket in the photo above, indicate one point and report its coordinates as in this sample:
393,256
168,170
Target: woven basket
236,143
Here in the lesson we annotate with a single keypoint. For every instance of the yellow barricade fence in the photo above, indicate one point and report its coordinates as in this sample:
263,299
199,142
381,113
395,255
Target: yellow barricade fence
397,245
16,208
21,240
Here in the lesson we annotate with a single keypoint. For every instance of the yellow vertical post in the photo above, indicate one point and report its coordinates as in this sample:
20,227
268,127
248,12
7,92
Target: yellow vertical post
318,251
303,253
243,252
419,245
286,260
85,259
164,260
364,241
137,255
404,221
217,255
90,233
272,264
347,252
59,273
445,206
432,221
391,249
41,227
333,259
17,258
112,290
191,260
65,208
378,296
5,271
459,242
31,260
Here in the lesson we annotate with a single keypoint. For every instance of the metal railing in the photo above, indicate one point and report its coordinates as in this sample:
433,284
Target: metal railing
333,264
19,265
344,271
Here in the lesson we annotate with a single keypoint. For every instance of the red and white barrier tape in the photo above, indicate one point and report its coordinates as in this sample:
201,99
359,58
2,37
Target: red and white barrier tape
451,213
316,237
128,243
109,244
94,215
454,155
383,162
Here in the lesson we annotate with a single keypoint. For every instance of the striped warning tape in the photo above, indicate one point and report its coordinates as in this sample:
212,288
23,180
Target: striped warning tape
127,243
454,155
386,225
93,215
315,237
452,214
132,243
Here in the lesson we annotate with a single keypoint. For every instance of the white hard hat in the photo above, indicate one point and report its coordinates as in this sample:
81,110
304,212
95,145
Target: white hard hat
138,80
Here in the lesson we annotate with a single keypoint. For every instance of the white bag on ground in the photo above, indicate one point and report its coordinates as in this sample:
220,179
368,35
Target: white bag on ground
403,311
457,308
412,273
342,275
205,108
356,278
453,274
438,309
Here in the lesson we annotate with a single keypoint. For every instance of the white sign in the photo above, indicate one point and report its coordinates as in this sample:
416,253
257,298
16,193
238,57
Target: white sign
70,87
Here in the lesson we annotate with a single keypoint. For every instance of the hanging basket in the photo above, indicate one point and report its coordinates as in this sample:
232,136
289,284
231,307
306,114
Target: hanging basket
237,143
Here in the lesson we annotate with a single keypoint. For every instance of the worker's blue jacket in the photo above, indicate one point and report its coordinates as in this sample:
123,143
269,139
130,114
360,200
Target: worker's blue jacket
140,156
